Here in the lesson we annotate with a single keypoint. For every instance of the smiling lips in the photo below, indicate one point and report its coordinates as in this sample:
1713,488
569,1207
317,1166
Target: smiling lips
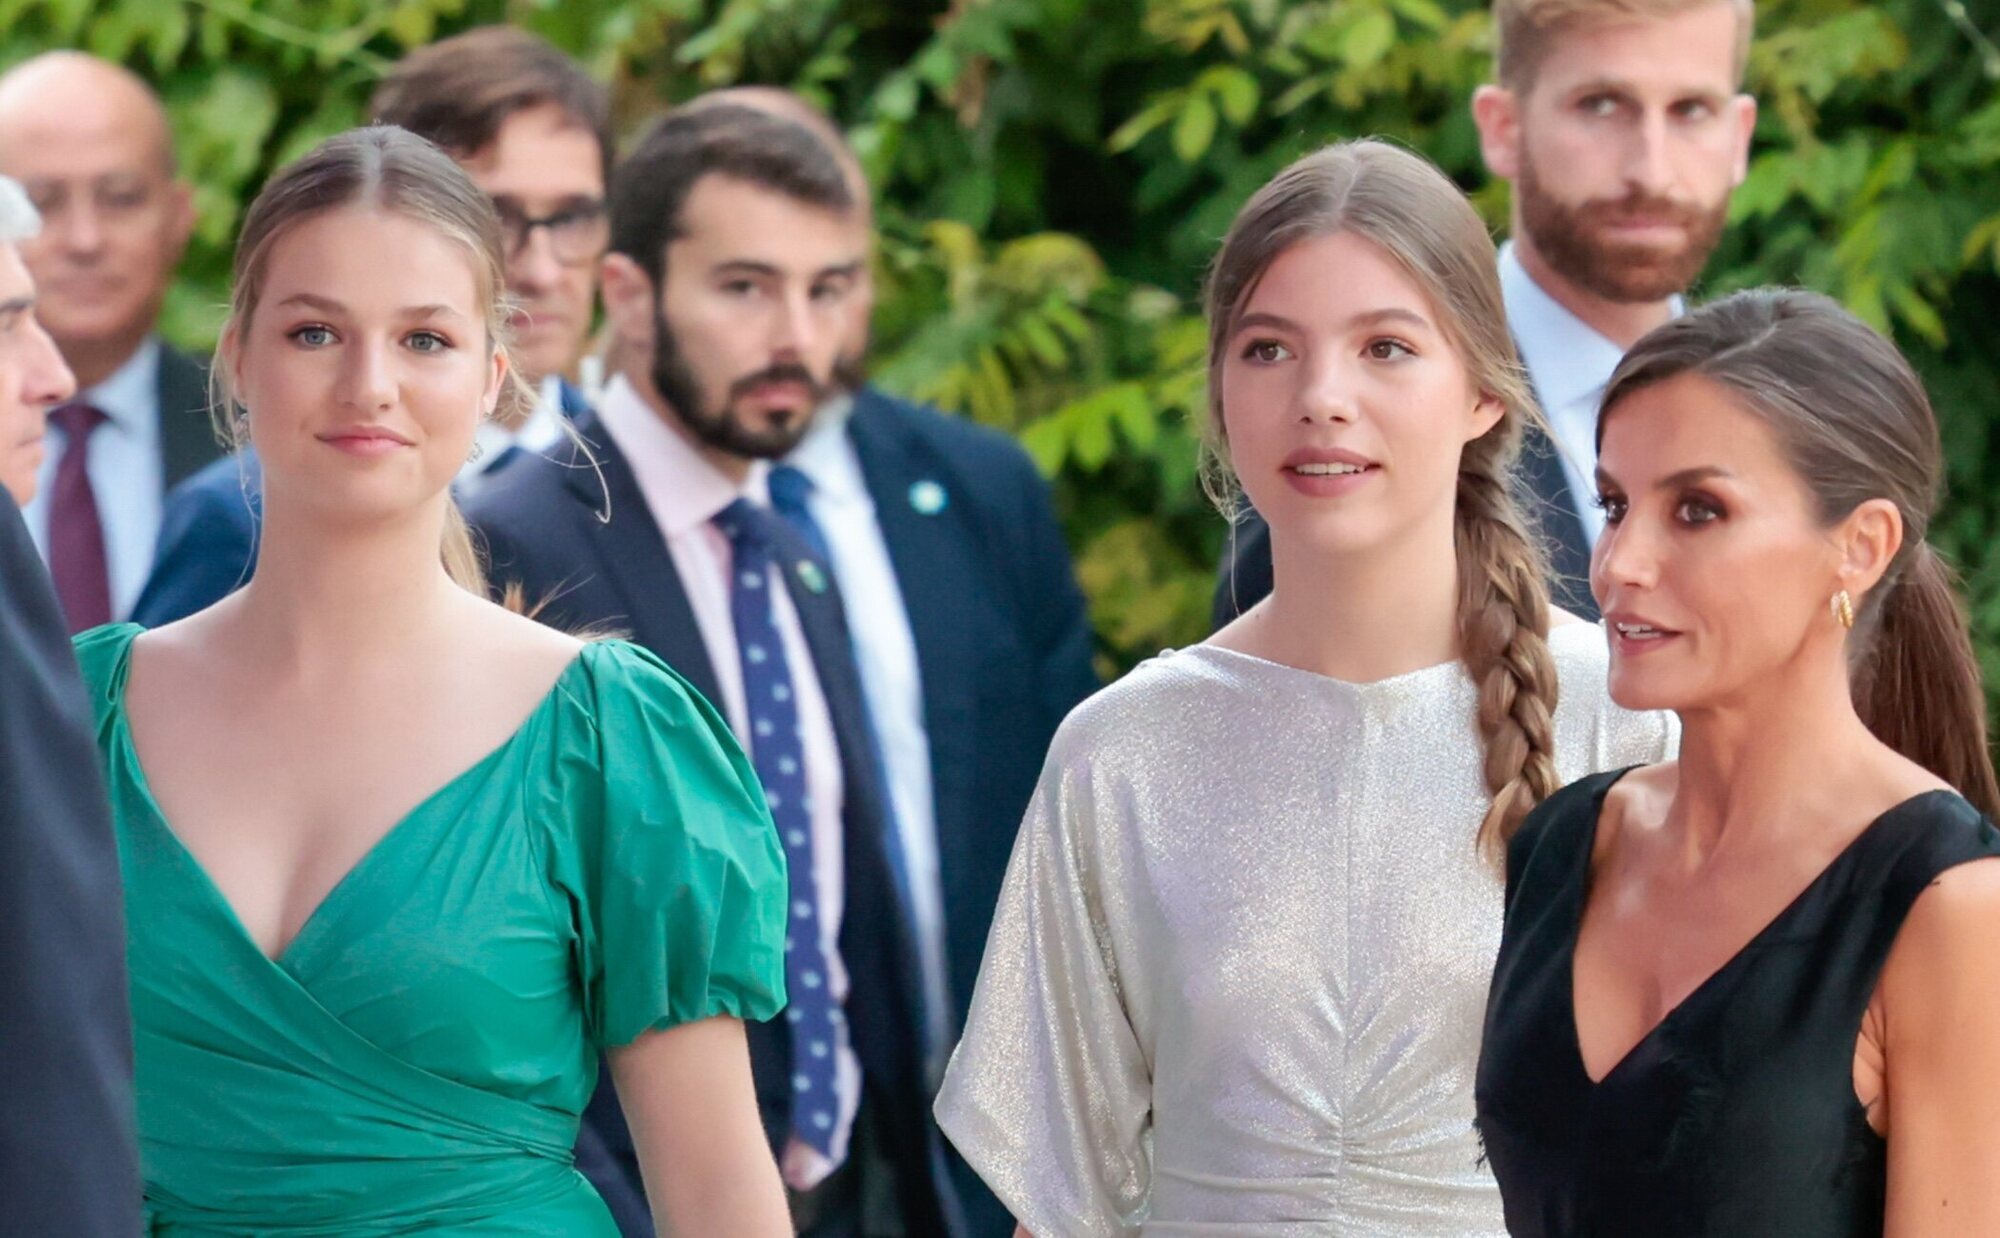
1326,472
367,441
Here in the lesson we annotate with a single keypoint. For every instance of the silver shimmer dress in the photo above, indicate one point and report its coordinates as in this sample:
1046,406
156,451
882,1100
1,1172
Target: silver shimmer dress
1237,977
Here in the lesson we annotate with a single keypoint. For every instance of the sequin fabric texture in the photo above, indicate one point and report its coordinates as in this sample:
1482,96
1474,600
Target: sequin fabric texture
1239,969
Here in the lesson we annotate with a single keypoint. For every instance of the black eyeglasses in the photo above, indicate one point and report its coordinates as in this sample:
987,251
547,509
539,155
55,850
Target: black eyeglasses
577,233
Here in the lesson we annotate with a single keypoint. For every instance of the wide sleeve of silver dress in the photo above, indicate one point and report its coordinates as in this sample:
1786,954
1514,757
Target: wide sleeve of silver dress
1237,976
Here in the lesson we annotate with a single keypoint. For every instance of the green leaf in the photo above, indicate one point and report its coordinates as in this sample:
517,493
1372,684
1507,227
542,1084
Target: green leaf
1984,240
1921,316
1136,417
1047,444
1042,340
1234,90
412,23
1091,441
170,35
1298,95
1195,129
113,34
1149,118
1369,38
66,18
897,98
1426,13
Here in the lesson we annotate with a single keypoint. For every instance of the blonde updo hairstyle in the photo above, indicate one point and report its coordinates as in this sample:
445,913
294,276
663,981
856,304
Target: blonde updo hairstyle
1403,205
392,170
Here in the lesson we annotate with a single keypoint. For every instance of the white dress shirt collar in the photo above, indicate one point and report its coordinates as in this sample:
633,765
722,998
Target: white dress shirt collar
1569,363
683,490
124,464
1569,360
130,397
825,456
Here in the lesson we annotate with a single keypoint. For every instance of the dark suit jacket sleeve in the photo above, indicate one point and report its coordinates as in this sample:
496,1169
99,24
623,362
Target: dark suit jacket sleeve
208,544
68,1159
1058,617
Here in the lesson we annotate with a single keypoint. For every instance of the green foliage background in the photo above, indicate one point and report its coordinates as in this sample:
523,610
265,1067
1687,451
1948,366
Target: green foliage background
1054,174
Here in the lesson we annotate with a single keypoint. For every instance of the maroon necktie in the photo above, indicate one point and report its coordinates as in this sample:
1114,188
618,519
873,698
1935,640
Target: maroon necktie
76,535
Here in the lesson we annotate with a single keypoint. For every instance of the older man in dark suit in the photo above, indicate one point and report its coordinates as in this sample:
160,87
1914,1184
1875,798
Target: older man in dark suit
68,1161
90,142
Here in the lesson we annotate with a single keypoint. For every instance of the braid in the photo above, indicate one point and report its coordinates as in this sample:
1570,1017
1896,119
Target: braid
1503,609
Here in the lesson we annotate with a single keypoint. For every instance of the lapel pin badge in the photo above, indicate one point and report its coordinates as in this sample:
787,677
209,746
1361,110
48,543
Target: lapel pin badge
811,576
927,497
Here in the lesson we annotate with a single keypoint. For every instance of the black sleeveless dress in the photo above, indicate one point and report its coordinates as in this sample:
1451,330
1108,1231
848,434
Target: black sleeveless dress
1736,1116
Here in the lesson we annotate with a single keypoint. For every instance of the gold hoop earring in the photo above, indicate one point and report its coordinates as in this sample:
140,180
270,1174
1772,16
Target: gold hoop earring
1843,609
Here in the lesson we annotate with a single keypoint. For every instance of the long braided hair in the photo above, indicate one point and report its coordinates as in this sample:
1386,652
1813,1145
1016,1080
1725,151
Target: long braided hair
1400,202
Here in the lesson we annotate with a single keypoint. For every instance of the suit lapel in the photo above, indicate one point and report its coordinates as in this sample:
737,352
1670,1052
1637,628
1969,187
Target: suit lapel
1545,489
187,439
571,400
927,551
619,525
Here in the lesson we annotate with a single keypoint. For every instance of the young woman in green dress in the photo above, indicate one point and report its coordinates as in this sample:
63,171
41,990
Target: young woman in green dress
401,864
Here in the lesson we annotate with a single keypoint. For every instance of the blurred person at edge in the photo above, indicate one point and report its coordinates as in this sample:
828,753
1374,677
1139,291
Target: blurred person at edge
533,130
1622,125
950,560
91,144
68,1161
33,376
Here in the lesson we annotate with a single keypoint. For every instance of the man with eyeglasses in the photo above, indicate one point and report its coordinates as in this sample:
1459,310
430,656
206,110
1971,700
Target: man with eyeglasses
533,130
90,143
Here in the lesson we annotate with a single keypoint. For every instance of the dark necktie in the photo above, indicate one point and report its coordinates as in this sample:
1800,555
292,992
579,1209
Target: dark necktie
777,753
790,490
77,559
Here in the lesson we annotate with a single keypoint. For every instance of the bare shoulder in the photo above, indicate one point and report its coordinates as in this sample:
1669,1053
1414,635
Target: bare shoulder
1940,987
200,646
1635,808
514,647
1244,634
1953,921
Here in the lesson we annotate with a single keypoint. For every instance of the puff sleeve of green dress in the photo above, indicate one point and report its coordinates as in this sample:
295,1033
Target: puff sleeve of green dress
418,1057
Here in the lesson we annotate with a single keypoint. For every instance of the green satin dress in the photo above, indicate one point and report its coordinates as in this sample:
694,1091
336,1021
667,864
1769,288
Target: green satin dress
417,1059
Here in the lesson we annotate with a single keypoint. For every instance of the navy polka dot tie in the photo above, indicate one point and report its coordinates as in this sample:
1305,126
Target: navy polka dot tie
777,752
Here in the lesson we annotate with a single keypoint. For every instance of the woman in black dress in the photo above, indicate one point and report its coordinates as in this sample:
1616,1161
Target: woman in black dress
1755,991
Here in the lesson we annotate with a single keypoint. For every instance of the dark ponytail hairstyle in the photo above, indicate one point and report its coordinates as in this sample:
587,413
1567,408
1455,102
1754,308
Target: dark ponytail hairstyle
1852,418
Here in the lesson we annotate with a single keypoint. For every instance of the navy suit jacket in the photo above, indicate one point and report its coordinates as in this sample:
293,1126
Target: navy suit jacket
1003,639
69,1163
187,436
1004,649
591,554
1544,492
208,534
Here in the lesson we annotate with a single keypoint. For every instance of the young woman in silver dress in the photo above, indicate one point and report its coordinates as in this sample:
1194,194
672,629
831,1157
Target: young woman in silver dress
1236,980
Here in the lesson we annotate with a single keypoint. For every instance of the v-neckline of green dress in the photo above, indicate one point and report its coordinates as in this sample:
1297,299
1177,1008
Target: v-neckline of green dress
417,1057
127,750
